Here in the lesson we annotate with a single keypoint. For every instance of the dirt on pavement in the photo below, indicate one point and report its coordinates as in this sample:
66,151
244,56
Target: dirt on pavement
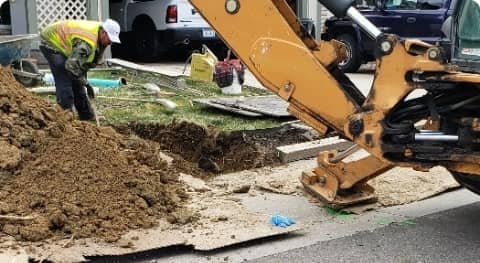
73,178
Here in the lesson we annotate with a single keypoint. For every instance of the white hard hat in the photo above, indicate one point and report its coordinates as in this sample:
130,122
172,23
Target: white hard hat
113,30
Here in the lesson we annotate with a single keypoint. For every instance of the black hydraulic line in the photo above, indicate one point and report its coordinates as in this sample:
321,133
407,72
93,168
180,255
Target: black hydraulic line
459,104
447,104
411,108
397,128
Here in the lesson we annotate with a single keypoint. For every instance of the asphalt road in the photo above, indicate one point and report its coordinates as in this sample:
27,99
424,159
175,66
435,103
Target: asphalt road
449,236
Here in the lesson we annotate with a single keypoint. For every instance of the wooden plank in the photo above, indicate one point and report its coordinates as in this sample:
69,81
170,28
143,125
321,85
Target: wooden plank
254,106
226,108
294,152
267,105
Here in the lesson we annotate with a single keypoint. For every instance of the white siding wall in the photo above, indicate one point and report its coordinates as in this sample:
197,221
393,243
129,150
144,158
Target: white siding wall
325,14
50,11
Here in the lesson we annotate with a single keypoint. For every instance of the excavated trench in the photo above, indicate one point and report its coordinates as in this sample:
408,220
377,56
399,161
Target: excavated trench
211,150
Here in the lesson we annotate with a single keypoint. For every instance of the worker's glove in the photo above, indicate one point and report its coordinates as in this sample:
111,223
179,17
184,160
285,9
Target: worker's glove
90,91
281,221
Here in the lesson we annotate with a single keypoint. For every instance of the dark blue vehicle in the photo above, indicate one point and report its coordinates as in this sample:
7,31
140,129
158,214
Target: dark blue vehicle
421,19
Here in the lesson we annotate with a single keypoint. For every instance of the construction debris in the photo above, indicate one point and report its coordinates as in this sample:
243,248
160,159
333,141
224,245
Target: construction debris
299,151
209,102
254,106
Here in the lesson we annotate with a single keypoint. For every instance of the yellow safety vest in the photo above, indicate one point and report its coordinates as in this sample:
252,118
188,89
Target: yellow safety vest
62,33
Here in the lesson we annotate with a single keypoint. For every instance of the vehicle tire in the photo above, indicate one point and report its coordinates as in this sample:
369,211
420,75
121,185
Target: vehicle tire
30,67
469,181
352,62
147,43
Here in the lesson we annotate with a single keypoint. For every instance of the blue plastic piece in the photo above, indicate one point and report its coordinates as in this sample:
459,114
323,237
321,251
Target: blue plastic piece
281,221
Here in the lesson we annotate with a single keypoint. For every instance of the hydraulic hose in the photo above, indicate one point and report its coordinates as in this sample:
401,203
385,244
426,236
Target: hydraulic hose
338,7
343,8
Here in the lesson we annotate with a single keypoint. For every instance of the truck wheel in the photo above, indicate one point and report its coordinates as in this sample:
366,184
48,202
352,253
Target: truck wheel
352,62
469,181
146,43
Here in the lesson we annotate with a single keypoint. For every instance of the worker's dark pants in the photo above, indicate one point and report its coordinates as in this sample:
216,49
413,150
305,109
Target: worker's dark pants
67,89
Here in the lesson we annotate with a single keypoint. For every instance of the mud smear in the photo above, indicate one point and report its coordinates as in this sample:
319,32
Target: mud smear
76,179
212,150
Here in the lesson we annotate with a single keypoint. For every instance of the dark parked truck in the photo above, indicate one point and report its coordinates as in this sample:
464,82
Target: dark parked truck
421,19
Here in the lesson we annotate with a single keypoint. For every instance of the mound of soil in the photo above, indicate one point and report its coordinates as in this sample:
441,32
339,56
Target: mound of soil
74,178
214,150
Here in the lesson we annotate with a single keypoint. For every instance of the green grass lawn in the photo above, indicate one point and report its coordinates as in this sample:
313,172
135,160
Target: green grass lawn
184,91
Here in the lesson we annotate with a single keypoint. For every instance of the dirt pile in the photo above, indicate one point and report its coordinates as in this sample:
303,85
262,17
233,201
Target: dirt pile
74,178
214,150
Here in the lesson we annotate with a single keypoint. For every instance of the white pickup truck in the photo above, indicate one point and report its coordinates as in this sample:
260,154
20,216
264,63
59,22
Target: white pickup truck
153,27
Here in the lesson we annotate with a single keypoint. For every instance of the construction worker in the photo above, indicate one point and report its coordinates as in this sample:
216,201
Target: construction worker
71,48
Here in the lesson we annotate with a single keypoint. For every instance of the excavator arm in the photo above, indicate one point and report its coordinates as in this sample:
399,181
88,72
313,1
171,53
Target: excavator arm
438,127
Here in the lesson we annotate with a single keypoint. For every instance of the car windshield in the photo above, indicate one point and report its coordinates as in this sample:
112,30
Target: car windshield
414,4
468,31
365,4
400,4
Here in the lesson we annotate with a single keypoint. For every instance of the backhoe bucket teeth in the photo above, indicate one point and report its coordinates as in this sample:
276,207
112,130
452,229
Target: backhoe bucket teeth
340,182
325,190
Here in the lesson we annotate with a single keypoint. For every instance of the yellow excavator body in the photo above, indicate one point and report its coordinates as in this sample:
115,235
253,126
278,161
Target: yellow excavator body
441,127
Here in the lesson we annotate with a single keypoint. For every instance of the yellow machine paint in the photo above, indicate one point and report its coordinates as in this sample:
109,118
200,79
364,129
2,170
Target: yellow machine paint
267,36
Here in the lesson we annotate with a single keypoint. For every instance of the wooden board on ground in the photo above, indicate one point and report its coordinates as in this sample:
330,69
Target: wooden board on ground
270,105
299,151
226,108
217,235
